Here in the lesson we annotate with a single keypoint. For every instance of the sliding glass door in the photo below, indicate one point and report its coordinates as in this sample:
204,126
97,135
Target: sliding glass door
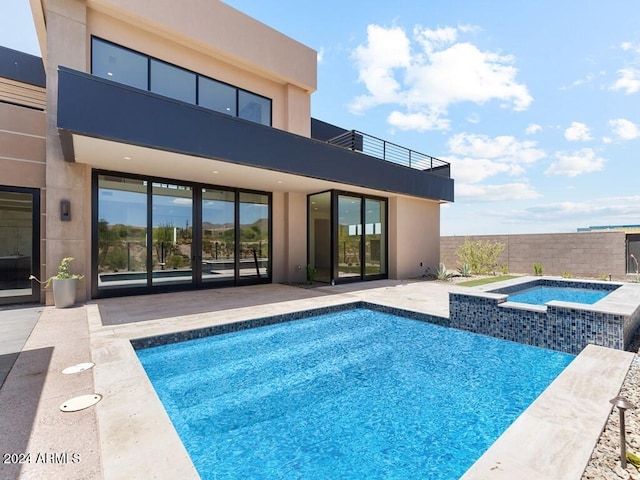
375,238
319,208
218,227
253,241
172,234
19,244
156,235
347,236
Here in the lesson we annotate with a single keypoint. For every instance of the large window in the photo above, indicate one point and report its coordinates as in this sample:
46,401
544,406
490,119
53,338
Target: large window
254,107
347,237
154,234
132,68
319,219
173,82
122,232
218,235
172,233
375,240
217,96
254,235
119,64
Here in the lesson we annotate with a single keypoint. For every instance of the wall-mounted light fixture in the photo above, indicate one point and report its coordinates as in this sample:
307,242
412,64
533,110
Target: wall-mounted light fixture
65,210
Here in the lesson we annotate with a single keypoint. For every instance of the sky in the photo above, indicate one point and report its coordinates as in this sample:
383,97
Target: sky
536,105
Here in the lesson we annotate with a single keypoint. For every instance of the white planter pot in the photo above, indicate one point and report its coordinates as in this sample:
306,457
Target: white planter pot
64,292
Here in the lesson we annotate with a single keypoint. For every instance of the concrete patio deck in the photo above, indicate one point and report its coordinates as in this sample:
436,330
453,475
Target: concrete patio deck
128,434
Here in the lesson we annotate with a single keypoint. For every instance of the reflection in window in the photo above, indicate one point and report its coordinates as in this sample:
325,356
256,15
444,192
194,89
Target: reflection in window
375,237
173,82
118,64
254,235
349,236
218,235
122,232
137,70
320,237
253,107
217,96
172,233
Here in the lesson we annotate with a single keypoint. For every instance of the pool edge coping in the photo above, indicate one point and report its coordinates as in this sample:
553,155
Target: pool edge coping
558,431
111,347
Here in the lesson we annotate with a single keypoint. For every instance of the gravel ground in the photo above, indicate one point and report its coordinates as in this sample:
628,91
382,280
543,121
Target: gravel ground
605,459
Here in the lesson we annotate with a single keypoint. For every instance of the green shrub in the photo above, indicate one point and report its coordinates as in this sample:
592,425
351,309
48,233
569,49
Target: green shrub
442,273
176,261
464,270
567,275
537,268
504,269
482,257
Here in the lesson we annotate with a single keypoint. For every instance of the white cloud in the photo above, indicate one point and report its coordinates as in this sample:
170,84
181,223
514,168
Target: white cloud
496,193
471,170
478,157
581,81
417,121
624,129
504,148
630,46
438,72
620,207
387,49
576,163
532,129
473,118
629,80
578,132
320,55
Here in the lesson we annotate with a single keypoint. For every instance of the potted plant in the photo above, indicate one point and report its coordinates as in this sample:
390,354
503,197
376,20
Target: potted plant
64,284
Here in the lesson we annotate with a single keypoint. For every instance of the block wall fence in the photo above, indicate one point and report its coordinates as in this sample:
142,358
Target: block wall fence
584,254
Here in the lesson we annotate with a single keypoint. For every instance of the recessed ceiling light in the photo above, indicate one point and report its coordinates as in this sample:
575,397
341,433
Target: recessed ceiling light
279,181
110,74
215,171
127,158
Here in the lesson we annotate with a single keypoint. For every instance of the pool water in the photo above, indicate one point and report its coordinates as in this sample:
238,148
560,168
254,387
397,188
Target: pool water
542,295
352,395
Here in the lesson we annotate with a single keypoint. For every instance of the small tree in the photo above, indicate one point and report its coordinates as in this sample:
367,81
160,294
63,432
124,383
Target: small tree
481,257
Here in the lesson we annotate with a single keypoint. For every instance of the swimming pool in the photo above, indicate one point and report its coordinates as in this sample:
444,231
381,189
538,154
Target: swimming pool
541,295
355,394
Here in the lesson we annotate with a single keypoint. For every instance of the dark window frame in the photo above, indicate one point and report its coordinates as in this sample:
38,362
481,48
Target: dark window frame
196,284
197,79
334,235
36,263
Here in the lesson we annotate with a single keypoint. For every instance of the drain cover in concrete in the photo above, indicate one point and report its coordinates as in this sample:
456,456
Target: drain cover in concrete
80,367
80,403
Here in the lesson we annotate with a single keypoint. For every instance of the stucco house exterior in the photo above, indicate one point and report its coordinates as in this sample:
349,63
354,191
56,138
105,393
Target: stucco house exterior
170,145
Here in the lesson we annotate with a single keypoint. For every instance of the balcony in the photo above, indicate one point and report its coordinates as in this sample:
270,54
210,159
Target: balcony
92,110
376,147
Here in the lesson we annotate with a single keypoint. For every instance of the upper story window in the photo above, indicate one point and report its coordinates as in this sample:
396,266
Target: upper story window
119,64
132,68
172,81
218,96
